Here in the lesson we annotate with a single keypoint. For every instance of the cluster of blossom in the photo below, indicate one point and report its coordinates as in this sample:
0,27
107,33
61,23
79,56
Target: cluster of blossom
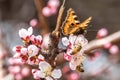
51,8
74,54
32,53
18,70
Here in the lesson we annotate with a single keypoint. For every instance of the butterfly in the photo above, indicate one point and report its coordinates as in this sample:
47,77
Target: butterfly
72,25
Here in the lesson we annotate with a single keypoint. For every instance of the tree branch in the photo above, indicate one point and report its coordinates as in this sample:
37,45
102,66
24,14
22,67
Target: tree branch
60,17
42,19
99,43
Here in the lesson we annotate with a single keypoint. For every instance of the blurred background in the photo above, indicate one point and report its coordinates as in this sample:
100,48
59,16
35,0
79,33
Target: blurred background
17,14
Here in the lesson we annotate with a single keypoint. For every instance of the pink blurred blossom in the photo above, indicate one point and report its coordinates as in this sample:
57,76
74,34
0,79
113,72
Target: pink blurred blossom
73,76
46,11
53,3
14,69
107,46
65,69
15,60
114,49
25,71
102,33
19,77
53,10
34,22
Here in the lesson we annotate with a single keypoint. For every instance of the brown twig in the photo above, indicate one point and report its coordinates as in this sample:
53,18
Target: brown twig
94,44
60,17
99,43
54,37
42,20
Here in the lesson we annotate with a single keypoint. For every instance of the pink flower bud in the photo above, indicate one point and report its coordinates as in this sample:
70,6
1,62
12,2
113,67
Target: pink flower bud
14,69
19,77
73,76
107,46
65,69
97,54
53,3
102,33
46,11
34,22
11,61
67,57
114,49
25,71
53,10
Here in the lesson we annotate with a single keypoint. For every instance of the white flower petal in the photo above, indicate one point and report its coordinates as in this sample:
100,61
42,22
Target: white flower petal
23,33
30,31
41,74
39,37
32,38
72,38
81,40
43,66
46,41
24,51
72,66
56,73
41,57
32,50
48,78
65,41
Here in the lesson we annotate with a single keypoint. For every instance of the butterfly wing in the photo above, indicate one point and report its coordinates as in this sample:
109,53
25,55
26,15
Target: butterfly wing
72,25
84,24
81,28
70,22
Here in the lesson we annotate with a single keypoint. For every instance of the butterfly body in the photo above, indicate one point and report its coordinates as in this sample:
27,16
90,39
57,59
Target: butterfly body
72,25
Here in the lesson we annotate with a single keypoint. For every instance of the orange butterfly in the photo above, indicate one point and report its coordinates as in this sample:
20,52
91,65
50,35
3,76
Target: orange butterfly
72,25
